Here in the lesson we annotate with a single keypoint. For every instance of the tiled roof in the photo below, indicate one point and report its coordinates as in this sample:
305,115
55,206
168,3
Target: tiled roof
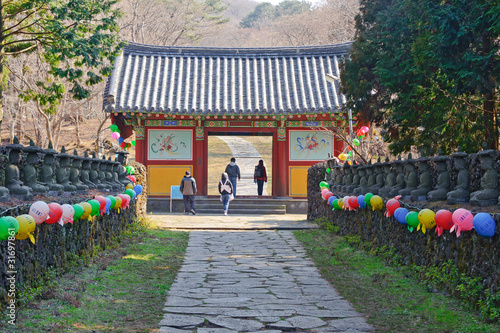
194,80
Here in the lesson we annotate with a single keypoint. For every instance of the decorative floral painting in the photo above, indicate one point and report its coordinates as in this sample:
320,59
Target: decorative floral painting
170,144
310,145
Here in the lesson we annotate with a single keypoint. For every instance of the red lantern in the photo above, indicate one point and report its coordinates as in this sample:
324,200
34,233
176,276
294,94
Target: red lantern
391,206
328,196
353,203
123,145
125,200
444,221
102,203
55,213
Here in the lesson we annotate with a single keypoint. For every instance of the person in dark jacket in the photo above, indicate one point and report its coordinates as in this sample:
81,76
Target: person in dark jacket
188,190
260,177
225,190
233,172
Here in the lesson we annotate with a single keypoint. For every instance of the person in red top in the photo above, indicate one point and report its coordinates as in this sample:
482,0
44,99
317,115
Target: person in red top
260,176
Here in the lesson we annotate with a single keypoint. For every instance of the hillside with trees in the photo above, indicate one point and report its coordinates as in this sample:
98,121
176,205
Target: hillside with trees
56,56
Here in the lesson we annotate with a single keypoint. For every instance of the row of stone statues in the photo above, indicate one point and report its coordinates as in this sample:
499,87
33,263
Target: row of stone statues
47,172
412,179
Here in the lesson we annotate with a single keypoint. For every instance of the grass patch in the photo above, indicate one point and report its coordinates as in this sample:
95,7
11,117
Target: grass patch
121,290
391,301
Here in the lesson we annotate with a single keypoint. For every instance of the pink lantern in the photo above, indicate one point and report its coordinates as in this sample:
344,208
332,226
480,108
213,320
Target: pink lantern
67,213
39,211
324,192
462,221
365,129
115,135
345,201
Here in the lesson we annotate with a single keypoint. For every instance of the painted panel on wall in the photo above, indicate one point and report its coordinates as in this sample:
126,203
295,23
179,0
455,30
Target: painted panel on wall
161,177
310,145
298,181
165,144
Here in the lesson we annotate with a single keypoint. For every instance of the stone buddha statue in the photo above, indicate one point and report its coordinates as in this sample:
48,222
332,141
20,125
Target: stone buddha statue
94,173
338,178
370,178
4,192
122,171
85,172
425,180
461,192
400,183
47,172
439,193
109,175
347,180
13,182
116,180
102,174
363,180
379,178
30,171
74,173
389,181
411,177
62,172
355,178
488,193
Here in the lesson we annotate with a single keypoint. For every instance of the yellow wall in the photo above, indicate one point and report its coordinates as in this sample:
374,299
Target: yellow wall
297,181
161,177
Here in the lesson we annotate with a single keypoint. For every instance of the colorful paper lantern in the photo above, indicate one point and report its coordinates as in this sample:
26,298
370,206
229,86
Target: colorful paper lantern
376,202
412,220
462,221
67,213
484,224
39,210
361,201
27,226
391,207
138,189
443,220
8,227
426,219
55,213
400,214
78,212
368,197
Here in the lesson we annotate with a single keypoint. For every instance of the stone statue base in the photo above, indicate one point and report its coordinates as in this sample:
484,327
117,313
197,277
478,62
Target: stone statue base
82,191
27,197
55,193
418,198
455,201
482,203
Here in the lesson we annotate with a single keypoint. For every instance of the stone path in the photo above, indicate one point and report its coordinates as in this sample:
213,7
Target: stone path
247,157
253,281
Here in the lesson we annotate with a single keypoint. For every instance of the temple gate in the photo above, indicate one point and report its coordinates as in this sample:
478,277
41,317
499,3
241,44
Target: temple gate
174,97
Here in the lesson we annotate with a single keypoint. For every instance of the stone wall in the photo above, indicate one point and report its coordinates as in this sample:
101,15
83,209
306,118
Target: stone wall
57,246
474,255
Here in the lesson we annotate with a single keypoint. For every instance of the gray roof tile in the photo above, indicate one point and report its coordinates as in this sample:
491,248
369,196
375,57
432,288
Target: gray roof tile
189,80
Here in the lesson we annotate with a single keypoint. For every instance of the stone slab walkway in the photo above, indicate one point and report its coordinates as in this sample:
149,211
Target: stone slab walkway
180,221
253,281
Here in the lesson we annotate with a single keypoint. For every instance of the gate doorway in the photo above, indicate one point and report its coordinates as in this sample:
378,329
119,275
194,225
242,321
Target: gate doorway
247,149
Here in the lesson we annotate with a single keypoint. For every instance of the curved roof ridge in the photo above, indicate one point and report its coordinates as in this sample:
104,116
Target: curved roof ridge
341,48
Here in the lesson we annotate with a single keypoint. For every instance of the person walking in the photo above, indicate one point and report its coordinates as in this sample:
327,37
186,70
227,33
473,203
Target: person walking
260,177
233,172
188,190
226,191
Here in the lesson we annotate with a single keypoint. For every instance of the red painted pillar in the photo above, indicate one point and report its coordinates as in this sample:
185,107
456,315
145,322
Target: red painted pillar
200,166
140,145
280,168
